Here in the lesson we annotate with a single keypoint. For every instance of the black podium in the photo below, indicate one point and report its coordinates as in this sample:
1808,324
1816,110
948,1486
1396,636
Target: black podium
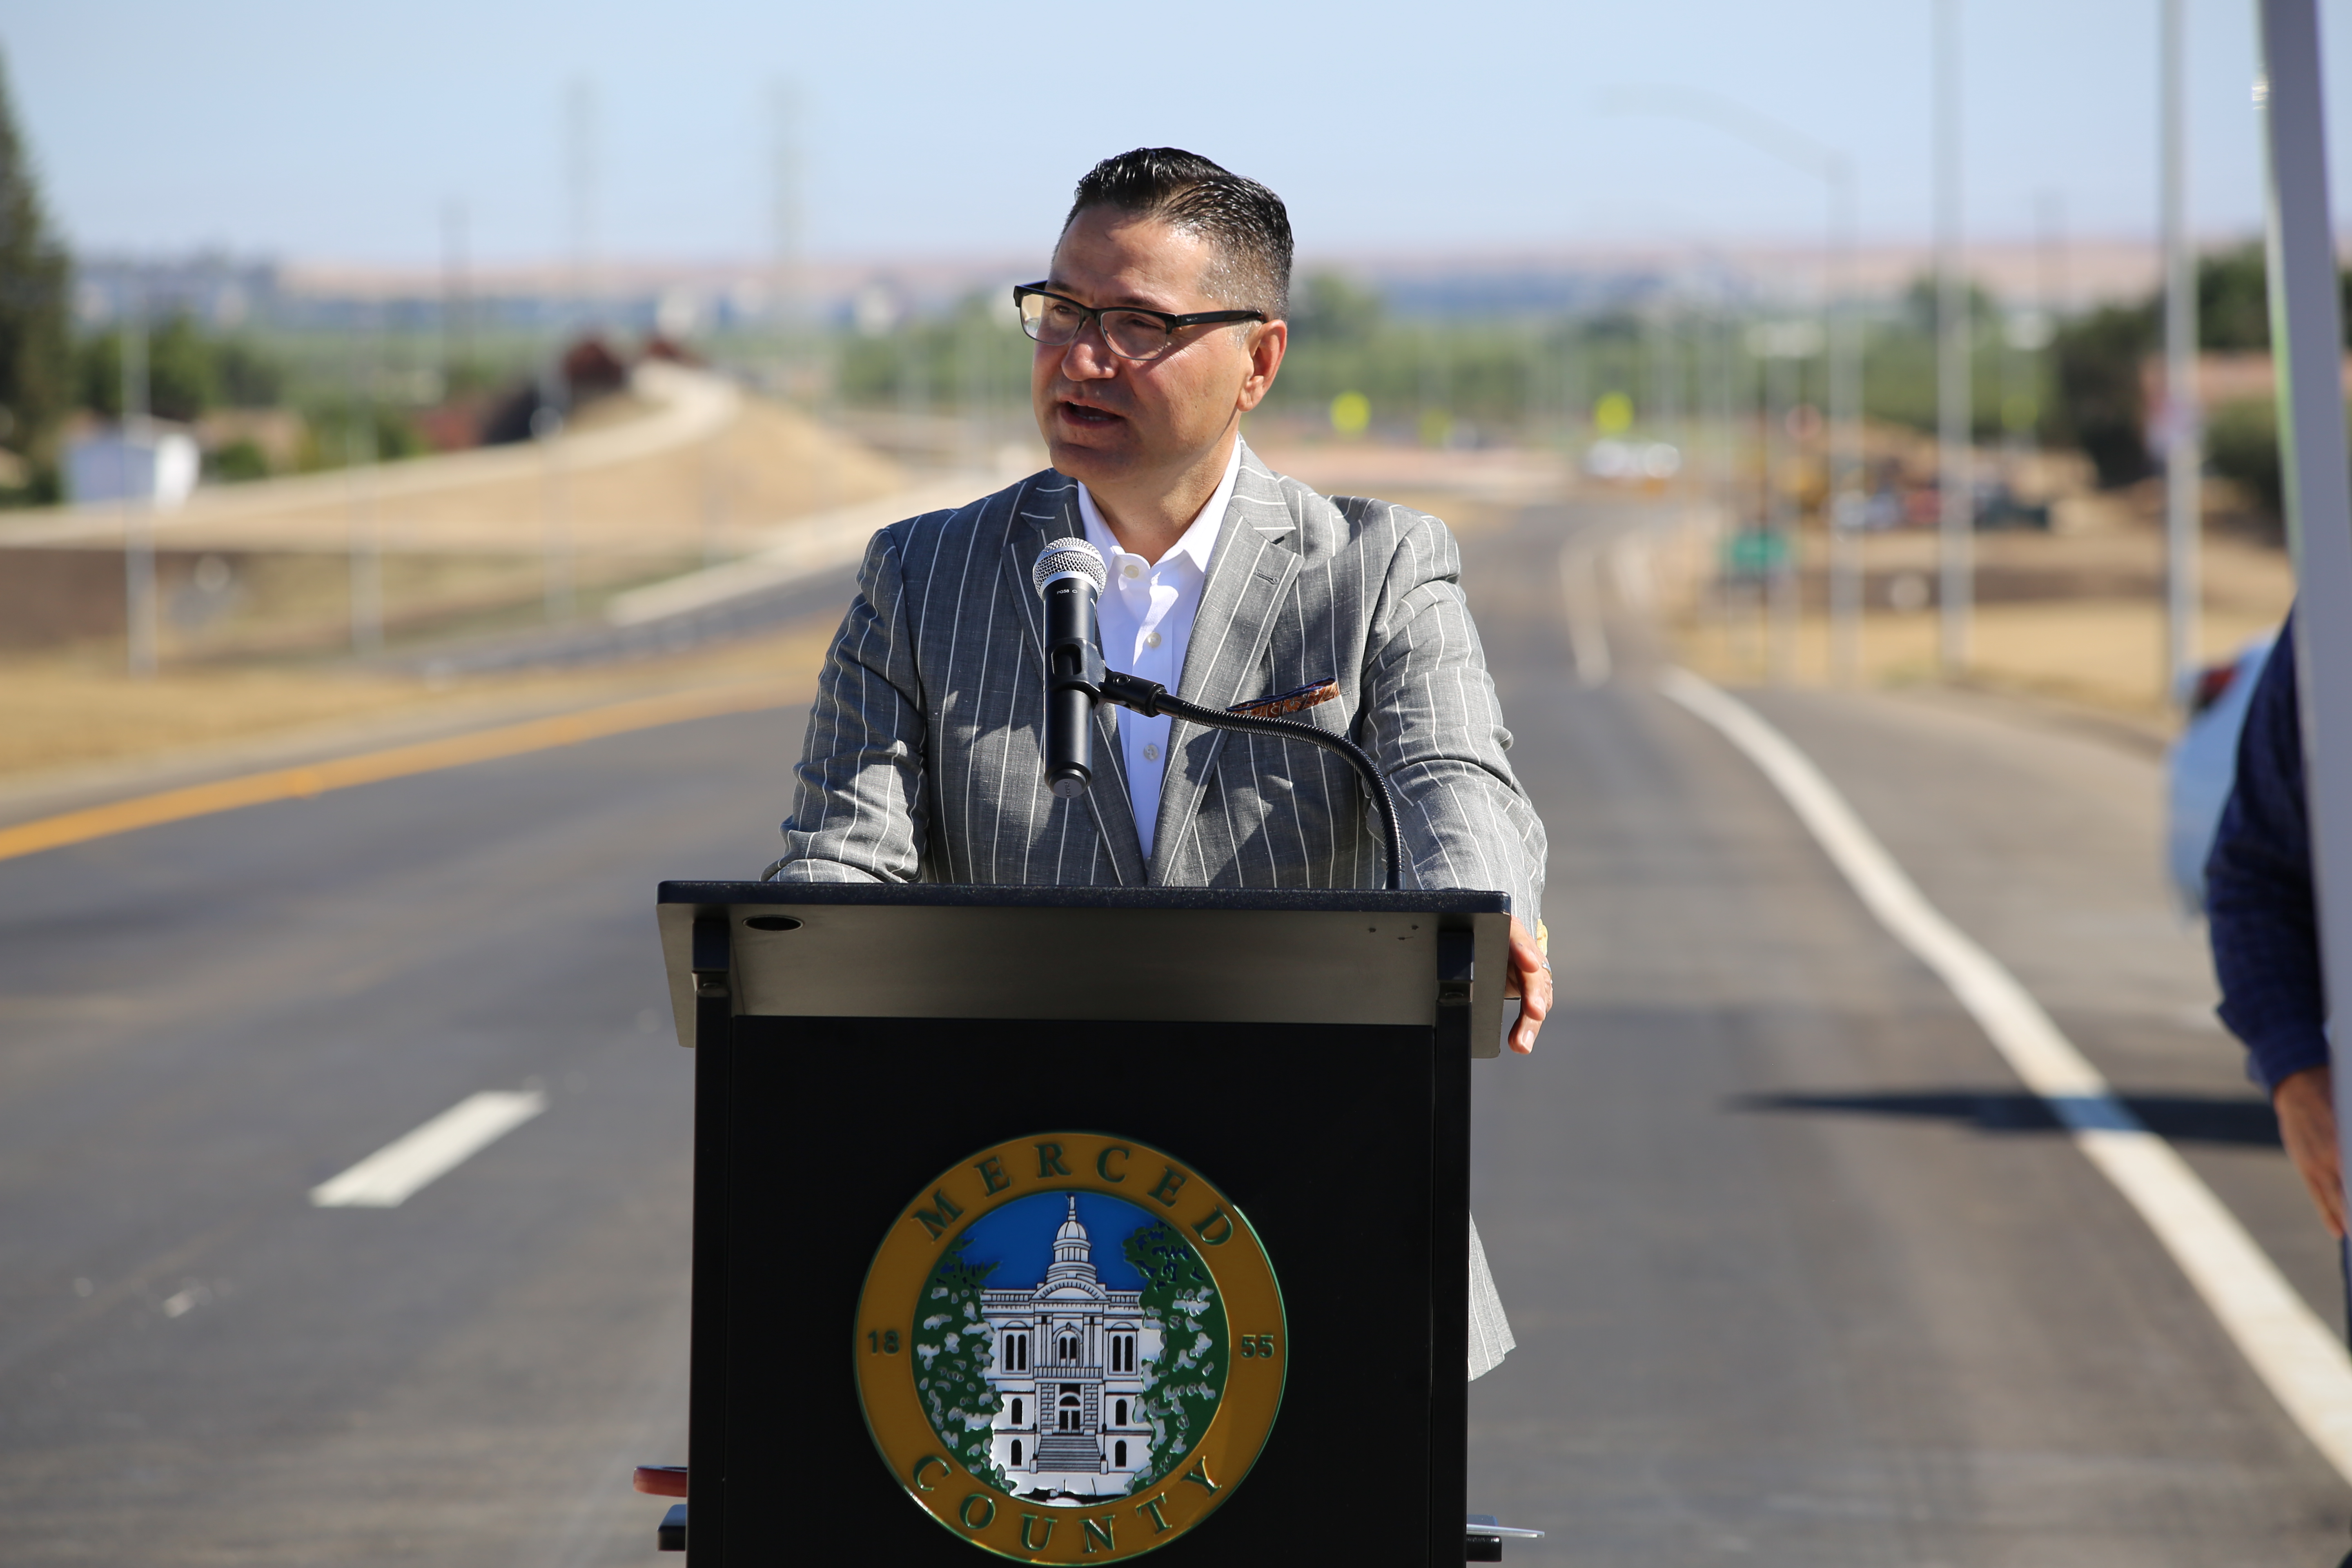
1072,1224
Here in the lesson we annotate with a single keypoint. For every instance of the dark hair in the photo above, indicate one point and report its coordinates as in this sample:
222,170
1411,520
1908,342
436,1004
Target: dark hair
1245,224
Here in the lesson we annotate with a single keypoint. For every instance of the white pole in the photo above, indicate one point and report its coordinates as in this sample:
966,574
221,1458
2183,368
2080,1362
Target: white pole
2183,450
2306,339
580,181
1780,516
1845,330
555,514
1953,394
360,456
456,323
784,226
138,526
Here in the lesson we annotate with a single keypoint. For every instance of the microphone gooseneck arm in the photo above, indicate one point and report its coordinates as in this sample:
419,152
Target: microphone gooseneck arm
1152,699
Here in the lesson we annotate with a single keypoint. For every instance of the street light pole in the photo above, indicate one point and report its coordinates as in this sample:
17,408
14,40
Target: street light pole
1954,478
1842,328
2183,448
1784,580
364,546
1845,498
138,523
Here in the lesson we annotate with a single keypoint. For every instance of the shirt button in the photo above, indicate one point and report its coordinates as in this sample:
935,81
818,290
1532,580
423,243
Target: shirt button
1152,752
1131,571
1152,640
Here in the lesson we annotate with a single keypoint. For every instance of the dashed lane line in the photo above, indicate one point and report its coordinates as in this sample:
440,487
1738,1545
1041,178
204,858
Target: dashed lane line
1579,592
398,1171
2290,1349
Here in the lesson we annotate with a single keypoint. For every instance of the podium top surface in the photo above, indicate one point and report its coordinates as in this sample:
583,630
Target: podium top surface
1174,954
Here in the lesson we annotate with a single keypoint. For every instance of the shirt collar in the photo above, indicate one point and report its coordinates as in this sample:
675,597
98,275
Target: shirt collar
1199,540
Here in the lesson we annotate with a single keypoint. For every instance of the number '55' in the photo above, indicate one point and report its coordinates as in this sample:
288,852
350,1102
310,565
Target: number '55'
1257,1346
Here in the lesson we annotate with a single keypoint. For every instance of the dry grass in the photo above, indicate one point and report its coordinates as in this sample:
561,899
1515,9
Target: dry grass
2084,623
54,714
2106,654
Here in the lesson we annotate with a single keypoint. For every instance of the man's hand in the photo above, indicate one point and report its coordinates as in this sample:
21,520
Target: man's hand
1530,982
2306,1103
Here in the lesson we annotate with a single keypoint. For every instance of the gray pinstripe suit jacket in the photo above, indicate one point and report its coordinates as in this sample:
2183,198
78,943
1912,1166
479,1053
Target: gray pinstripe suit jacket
923,759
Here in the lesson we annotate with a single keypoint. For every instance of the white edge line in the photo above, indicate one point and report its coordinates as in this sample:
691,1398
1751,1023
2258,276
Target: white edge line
1588,639
2289,1348
394,1172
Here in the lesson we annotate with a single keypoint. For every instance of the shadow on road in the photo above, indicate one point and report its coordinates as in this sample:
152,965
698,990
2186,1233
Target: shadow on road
2180,1119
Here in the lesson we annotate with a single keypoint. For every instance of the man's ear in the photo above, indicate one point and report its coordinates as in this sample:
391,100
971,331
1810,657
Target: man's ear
1267,345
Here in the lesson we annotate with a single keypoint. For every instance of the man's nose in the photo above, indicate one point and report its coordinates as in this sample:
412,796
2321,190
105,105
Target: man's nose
1087,357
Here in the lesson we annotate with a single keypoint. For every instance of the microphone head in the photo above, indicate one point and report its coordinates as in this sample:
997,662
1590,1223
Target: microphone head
1069,557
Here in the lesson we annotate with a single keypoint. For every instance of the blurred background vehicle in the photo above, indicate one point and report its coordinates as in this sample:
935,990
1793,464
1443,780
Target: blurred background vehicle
2199,766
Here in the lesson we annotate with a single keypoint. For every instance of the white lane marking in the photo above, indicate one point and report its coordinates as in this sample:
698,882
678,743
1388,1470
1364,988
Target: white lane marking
1629,570
1580,590
393,1173
2290,1349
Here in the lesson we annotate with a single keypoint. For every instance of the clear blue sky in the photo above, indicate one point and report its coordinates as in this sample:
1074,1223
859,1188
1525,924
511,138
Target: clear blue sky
310,131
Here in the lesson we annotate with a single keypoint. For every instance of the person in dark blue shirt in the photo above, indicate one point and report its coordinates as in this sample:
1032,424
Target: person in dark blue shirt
2265,928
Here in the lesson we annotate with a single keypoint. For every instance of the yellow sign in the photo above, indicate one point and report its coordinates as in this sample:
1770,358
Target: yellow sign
1070,1348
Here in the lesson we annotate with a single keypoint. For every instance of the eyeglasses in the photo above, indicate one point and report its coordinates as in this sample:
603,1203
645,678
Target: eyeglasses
1131,333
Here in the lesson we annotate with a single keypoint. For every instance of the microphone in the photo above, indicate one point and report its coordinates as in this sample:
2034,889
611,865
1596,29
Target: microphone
1069,576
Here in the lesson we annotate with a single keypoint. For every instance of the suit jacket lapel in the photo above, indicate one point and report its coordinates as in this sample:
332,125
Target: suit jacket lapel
1252,569
1046,511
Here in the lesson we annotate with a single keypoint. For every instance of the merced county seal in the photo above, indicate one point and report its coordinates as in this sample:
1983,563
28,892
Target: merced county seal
1070,1348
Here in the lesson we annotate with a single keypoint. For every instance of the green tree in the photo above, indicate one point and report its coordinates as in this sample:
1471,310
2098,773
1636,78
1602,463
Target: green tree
1329,308
952,1342
2241,444
1183,1382
182,382
972,360
2232,301
2101,407
1923,306
245,377
36,278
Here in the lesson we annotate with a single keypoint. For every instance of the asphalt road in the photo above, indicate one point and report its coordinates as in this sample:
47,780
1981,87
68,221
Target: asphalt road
1799,1275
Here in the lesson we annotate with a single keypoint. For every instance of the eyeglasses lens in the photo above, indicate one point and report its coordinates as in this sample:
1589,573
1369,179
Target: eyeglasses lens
1048,320
1134,336
1130,335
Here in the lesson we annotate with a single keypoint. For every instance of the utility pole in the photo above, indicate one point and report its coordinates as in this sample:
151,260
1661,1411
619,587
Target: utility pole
1722,410
1953,476
358,457
2052,275
2183,415
579,186
1841,328
554,508
1845,498
784,219
1780,370
456,309
138,435
1781,348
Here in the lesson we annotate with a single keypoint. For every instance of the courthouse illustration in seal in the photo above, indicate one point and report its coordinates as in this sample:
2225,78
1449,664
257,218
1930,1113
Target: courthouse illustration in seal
1070,1415
1075,1367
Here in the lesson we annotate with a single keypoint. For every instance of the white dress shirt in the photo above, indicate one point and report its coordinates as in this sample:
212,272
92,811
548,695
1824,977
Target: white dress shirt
1145,618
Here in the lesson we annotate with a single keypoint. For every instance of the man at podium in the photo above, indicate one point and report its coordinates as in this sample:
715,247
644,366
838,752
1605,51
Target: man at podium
1228,582
1160,323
